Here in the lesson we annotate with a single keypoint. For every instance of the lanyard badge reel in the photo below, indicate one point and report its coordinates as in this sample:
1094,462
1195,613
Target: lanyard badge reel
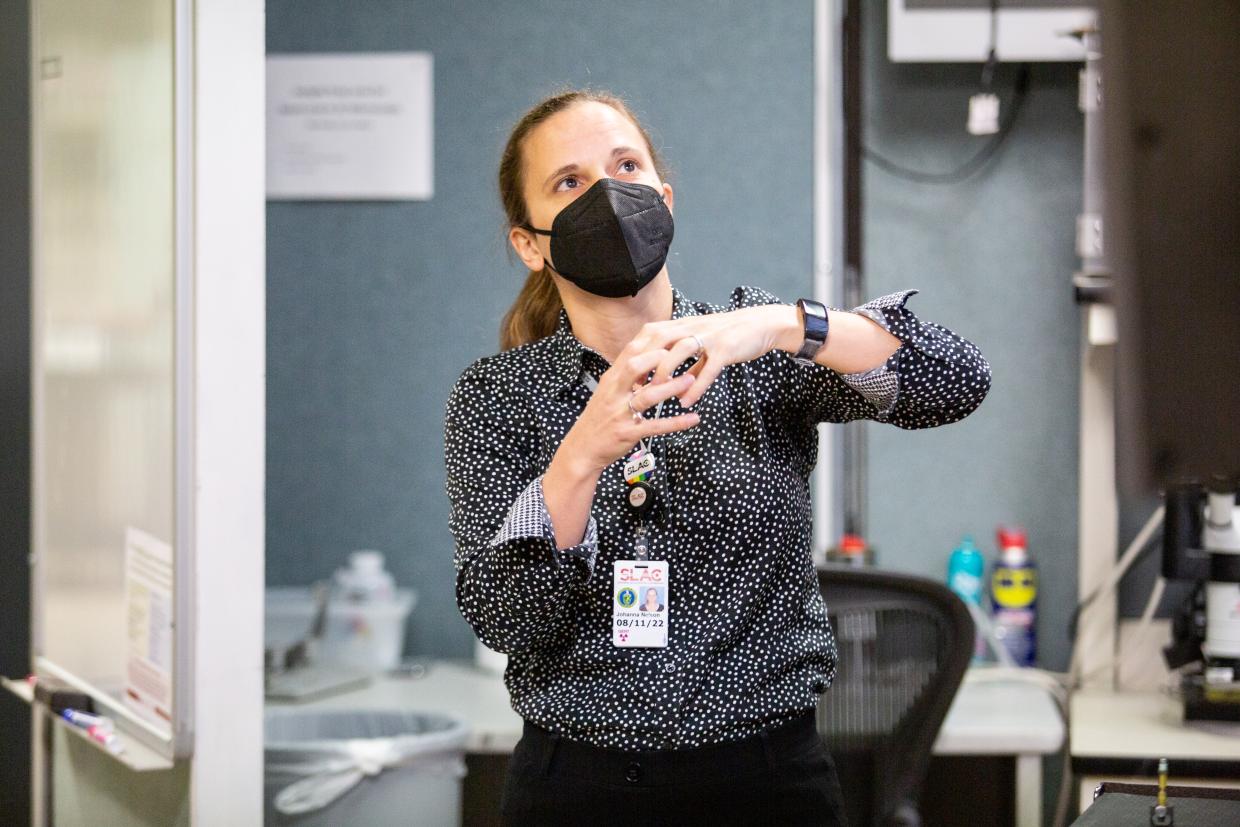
640,585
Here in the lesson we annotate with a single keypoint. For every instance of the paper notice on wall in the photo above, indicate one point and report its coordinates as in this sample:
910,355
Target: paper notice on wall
148,605
350,126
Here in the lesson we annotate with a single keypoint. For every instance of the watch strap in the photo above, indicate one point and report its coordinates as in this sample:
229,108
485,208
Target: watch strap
814,320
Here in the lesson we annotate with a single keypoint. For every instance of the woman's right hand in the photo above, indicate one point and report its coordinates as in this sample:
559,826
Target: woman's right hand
607,429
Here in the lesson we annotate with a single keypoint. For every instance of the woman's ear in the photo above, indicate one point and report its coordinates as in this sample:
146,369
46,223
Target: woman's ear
522,241
669,197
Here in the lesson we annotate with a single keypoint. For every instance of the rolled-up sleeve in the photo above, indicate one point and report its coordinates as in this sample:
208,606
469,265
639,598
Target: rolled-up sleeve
934,378
512,583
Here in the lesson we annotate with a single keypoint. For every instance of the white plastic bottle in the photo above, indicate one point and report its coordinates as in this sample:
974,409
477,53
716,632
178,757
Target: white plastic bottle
365,581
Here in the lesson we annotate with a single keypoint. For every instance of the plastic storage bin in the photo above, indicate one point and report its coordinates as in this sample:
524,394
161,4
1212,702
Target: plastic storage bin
371,767
367,636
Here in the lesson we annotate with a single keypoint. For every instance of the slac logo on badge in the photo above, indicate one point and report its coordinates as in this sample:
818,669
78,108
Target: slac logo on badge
626,597
641,574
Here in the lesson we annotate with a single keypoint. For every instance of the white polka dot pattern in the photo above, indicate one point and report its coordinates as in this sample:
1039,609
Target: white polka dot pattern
750,646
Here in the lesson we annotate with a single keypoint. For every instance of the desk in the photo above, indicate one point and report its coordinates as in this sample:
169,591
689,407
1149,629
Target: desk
1121,736
1006,718
986,718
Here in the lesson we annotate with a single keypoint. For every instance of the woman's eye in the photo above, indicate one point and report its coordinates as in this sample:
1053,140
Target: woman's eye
628,166
569,183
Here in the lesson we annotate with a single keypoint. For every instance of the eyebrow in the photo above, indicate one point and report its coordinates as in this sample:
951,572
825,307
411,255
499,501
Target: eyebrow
618,151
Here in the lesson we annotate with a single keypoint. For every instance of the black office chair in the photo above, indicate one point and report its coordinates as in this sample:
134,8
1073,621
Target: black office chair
904,644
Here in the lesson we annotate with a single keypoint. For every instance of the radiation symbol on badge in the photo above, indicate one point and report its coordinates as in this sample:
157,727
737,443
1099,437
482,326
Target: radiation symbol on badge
626,597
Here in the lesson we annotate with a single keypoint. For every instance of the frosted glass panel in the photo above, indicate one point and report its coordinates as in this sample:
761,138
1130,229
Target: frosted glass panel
104,309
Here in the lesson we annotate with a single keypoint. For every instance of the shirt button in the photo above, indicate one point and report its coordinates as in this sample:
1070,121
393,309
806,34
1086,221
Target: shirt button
633,772
669,667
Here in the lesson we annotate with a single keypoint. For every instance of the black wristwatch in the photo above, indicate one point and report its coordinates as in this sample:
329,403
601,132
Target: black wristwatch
814,319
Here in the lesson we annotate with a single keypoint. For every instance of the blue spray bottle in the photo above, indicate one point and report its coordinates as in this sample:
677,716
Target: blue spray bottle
965,568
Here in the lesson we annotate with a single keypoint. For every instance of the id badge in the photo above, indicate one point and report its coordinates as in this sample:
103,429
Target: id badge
639,612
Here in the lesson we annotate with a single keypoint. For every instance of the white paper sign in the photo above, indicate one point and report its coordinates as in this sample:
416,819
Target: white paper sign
350,126
148,606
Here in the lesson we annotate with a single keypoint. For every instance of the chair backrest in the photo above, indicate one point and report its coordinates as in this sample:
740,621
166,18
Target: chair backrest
904,644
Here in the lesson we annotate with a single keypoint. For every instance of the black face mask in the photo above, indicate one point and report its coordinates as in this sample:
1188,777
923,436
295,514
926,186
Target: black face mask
613,239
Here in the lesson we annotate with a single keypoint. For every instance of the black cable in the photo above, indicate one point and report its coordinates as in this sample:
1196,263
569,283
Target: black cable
974,164
992,59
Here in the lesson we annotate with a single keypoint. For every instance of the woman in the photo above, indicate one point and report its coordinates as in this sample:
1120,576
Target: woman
652,603
627,437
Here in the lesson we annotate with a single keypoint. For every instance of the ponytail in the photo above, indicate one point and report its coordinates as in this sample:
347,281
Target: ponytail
534,314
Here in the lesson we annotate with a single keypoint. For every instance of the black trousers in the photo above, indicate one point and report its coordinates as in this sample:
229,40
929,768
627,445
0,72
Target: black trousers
783,777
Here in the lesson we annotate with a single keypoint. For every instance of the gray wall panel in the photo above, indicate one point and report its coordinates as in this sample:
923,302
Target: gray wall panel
374,309
994,258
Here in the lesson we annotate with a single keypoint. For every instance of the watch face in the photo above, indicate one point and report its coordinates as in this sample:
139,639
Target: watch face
814,320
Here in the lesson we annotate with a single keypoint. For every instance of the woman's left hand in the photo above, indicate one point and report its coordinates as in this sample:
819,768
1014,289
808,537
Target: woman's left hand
723,338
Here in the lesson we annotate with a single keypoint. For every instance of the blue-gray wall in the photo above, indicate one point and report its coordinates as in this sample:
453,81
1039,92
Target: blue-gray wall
994,257
374,309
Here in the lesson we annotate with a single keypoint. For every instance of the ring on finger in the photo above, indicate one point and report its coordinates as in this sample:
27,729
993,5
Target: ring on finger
637,415
700,346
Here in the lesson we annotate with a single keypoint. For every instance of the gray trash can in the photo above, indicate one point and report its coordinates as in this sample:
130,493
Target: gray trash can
362,766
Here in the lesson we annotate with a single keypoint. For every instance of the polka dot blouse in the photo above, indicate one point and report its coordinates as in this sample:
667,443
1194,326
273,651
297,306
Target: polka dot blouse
749,642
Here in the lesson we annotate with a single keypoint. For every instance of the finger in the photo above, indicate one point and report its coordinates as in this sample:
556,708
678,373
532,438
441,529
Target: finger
684,348
709,372
669,424
656,336
635,368
656,392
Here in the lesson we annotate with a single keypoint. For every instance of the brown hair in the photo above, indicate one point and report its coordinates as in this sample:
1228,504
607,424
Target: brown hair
536,311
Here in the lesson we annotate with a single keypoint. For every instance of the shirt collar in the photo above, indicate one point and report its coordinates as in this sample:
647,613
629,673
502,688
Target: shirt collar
571,356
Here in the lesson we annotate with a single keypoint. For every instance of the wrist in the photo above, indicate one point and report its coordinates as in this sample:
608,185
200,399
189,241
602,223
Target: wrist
789,328
573,466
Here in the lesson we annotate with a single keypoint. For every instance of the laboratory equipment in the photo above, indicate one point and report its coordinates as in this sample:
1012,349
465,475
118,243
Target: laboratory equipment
1201,544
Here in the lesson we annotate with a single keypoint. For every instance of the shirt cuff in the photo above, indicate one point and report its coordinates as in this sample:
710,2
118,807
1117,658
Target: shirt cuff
528,518
880,385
